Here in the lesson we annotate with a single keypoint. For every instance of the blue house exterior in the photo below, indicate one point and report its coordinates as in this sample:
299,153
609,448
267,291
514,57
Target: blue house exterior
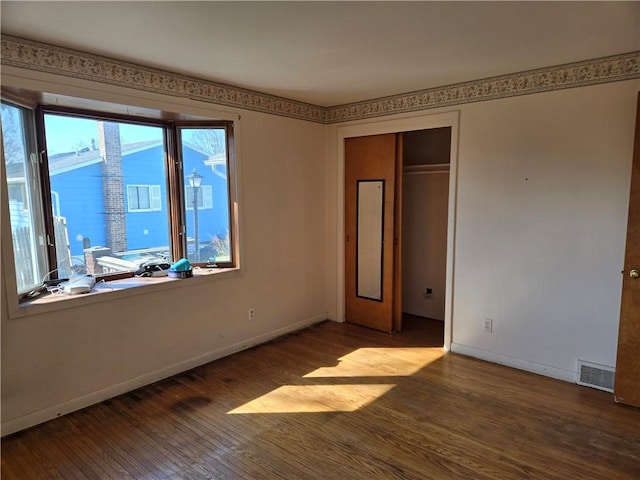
146,229
78,186
78,197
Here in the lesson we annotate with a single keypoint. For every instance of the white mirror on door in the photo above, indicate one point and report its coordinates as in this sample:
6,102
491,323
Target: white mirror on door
370,221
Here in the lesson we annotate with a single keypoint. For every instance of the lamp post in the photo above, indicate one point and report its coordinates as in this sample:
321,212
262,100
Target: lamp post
195,180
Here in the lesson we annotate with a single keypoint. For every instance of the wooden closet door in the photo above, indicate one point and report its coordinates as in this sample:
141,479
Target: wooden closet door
627,384
370,167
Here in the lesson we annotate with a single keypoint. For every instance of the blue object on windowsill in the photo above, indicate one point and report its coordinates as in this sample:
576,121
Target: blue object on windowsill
181,269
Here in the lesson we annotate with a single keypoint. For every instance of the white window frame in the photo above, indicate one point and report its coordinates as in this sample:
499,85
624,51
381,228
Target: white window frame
155,198
205,199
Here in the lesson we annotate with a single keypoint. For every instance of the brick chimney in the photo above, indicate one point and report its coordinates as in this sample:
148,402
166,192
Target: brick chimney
113,185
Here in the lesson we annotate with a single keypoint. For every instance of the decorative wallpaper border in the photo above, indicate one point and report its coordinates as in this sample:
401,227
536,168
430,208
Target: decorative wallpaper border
43,57
579,74
19,52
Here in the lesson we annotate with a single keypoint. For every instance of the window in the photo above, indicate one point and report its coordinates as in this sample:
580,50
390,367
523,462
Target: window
113,192
27,226
204,196
144,198
90,162
18,193
209,224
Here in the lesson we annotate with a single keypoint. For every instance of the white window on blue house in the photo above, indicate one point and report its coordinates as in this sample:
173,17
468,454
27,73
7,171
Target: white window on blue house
108,193
144,198
204,197
18,193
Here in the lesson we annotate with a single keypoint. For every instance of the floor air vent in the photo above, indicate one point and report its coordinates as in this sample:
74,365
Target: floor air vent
595,376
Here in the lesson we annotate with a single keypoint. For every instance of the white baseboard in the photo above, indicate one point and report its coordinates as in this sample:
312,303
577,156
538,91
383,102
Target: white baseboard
533,367
25,421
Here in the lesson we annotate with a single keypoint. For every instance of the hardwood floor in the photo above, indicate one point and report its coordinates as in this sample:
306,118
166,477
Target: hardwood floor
339,401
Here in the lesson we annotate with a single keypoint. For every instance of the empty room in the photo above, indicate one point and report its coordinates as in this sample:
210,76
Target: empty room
320,240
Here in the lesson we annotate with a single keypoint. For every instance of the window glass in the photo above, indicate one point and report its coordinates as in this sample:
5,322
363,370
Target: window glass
27,228
144,198
108,188
204,196
205,166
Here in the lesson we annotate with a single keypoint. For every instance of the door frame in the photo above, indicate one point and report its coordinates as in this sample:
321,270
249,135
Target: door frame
399,125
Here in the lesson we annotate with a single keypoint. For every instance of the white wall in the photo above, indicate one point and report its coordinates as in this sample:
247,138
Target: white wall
62,360
542,196
543,189
424,243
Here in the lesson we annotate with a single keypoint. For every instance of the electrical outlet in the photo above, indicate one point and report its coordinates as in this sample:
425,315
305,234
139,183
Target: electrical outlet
428,293
252,314
488,325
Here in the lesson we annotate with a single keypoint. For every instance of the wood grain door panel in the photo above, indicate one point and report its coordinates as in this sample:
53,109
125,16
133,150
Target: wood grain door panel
370,158
627,383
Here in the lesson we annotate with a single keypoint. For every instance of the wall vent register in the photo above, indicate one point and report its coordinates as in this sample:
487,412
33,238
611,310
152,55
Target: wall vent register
595,376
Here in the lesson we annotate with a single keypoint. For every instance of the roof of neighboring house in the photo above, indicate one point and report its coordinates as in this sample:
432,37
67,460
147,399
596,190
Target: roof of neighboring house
63,162
66,161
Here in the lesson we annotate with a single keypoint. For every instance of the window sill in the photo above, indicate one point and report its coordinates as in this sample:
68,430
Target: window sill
116,289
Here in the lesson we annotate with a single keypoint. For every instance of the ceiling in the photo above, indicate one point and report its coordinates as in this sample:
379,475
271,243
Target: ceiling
332,53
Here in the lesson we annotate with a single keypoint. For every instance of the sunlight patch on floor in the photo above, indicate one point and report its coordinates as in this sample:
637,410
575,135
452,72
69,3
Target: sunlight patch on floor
380,362
314,399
